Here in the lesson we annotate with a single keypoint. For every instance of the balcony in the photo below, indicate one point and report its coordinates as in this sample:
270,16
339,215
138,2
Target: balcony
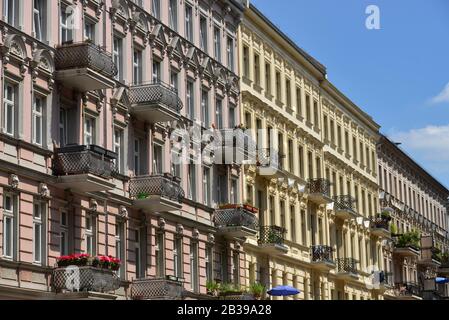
443,270
271,240
346,268
156,193
84,279
407,245
234,146
268,163
155,102
380,227
84,66
84,168
236,221
322,257
156,289
344,207
319,191
407,291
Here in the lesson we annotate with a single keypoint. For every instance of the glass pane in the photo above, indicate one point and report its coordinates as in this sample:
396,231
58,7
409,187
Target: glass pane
7,237
37,242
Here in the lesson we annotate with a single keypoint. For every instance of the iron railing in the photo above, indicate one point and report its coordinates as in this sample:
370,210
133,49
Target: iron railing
267,157
155,93
380,223
236,138
320,185
346,265
271,235
408,289
86,278
85,55
81,159
157,289
164,186
321,253
344,202
235,217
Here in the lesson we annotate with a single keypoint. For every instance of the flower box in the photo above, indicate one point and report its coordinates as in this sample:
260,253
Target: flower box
83,259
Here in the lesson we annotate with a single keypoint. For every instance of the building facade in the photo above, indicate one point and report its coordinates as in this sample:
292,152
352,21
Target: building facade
417,202
92,94
315,179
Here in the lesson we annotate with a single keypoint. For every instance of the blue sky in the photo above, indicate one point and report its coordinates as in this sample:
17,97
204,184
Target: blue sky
398,74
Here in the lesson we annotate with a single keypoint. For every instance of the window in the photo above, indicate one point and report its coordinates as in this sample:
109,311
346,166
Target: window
173,14
160,254
246,62
230,53
174,80
203,33
38,19
219,113
205,108
9,107
156,8
354,149
206,186
156,75
38,132
157,159
332,128
268,78
119,244
177,257
315,114
301,161
89,131
194,266
339,142
288,93
117,56
11,12
64,234
346,142
256,69
137,67
65,28
192,181
89,30
118,149
137,161
140,271
232,115
292,224
90,234
234,191
39,232
325,128
189,23
298,101
62,127
308,111
222,189
209,263
217,44
290,155
236,267
278,86
9,228
190,100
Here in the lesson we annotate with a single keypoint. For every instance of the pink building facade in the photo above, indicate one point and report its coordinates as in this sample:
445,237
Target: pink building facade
92,92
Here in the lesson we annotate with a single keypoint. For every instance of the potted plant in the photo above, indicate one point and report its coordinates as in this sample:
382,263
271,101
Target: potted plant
212,288
257,290
393,229
385,215
142,195
228,206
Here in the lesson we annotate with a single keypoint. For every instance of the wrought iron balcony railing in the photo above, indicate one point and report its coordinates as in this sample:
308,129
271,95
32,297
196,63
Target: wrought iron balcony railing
344,202
164,186
267,157
85,278
236,217
346,265
380,223
157,93
272,235
236,138
321,186
81,159
85,55
321,253
157,289
408,289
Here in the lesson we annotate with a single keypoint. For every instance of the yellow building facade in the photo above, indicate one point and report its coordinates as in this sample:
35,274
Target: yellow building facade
315,179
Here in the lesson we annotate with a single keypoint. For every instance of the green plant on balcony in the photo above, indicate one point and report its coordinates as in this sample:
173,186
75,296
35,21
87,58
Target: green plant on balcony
142,195
257,290
393,229
409,239
212,288
445,258
225,289
385,215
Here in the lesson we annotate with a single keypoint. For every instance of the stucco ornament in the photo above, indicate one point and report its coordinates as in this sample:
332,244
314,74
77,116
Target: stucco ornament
14,181
93,205
122,211
43,190
179,228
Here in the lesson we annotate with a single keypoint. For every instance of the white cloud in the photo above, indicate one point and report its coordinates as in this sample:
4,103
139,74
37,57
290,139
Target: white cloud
429,146
443,96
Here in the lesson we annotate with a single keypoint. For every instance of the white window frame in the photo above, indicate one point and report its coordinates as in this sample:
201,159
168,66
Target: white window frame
14,20
203,33
178,257
194,276
63,126
64,234
90,30
117,50
89,130
217,43
9,106
158,163
136,156
38,120
205,108
174,80
160,254
190,98
209,260
156,8
119,245
10,215
156,72
118,148
207,186
191,181
90,234
65,30
137,66
39,19
188,22
219,113
39,243
230,52
173,14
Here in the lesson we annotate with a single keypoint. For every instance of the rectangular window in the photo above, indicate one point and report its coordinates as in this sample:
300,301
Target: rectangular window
89,30
89,131
209,263
65,25
308,111
140,272
316,122
192,181
256,69
160,254
38,111
288,93
268,78
62,127
230,53
332,129
9,230
217,44
173,14
177,257
234,191
90,234
339,141
157,159
174,82
119,244
290,155
278,86
11,12
9,108
64,234
203,33
194,277
137,67
246,62
38,19
118,148
303,228
222,188
189,23
232,115
301,161
156,8
117,55
205,108
219,113
206,186
190,91
236,268
156,75
293,224
137,161
39,232
298,101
